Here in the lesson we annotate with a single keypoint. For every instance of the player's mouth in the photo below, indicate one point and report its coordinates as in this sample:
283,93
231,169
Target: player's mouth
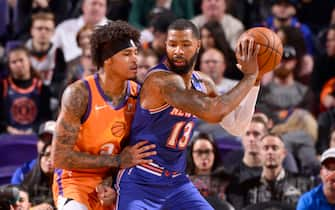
133,68
179,63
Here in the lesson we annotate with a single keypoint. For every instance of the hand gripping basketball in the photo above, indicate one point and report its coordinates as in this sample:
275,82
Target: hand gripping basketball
270,52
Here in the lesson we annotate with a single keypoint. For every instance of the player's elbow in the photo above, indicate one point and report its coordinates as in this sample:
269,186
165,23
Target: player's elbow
214,117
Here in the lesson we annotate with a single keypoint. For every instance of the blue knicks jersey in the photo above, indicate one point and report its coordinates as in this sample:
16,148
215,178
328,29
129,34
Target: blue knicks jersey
167,127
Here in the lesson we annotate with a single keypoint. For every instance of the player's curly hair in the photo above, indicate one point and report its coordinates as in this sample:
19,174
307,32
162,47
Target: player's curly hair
104,36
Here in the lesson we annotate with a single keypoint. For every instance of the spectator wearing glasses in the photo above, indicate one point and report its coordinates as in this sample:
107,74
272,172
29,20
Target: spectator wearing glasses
214,64
204,163
322,196
47,60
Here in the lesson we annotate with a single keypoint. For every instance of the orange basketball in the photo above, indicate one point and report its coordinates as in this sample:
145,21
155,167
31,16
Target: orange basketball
271,48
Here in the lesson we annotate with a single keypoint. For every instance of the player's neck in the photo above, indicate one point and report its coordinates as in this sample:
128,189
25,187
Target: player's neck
112,86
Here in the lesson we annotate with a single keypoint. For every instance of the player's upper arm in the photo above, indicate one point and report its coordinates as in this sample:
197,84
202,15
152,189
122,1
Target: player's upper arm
174,91
73,107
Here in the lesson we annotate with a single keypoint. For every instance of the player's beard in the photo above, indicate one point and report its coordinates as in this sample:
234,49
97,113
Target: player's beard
182,69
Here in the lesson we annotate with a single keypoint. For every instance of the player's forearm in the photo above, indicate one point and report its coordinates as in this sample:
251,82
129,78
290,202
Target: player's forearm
239,119
79,160
229,101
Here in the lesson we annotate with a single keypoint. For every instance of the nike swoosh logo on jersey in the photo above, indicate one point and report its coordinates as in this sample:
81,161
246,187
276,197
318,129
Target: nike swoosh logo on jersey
97,107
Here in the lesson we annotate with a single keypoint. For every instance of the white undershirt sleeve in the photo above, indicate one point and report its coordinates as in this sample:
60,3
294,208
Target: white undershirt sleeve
237,121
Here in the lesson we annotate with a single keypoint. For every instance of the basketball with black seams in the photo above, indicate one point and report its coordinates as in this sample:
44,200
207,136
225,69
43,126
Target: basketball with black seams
271,48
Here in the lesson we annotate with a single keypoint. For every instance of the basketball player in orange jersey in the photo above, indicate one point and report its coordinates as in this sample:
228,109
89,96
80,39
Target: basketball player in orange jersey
95,117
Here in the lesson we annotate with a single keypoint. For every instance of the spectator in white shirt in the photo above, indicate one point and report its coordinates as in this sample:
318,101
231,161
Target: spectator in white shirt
94,13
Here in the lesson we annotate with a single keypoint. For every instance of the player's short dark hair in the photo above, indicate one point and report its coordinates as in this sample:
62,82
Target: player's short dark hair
183,24
105,36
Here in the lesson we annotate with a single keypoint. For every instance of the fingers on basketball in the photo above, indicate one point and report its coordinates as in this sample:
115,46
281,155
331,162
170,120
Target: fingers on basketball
271,48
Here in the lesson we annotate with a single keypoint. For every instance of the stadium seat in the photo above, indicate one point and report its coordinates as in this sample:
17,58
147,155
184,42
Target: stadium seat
15,150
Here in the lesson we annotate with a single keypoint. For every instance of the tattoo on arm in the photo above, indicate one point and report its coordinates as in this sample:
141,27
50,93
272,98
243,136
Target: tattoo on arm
74,104
207,107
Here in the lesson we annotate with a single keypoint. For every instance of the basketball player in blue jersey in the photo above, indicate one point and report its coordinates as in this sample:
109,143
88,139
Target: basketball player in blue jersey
172,97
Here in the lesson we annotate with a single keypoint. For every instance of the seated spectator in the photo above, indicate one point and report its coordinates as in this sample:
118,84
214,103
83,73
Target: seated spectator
327,96
326,122
45,58
204,159
84,68
158,33
332,138
216,11
292,36
283,14
38,180
23,202
284,93
324,65
322,196
142,10
45,135
14,197
299,132
9,195
25,101
213,36
94,12
275,183
247,164
24,9
146,60
214,64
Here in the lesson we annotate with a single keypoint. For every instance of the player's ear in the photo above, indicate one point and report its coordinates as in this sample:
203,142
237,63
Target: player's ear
108,61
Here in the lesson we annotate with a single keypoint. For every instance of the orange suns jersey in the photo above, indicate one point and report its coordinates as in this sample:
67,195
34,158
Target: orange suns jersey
102,130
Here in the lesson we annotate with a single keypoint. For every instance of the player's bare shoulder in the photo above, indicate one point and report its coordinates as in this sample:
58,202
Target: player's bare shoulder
75,98
209,83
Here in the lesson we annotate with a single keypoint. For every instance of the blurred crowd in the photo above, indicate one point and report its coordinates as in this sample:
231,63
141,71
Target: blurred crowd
286,152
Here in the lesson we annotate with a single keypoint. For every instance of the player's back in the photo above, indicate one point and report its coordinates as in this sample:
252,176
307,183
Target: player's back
167,127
